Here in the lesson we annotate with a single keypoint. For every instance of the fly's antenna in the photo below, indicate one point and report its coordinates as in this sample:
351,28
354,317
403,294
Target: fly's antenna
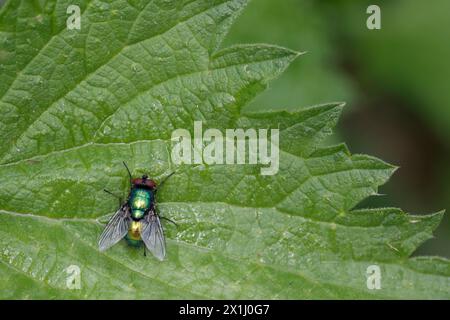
164,180
129,173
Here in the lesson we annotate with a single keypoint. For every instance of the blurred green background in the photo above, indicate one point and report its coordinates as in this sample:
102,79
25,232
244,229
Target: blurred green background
396,82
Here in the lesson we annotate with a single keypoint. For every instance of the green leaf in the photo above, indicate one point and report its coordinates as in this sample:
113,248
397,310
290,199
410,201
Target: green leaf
76,103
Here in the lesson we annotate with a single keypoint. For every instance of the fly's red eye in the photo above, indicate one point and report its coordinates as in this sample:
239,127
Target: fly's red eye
151,184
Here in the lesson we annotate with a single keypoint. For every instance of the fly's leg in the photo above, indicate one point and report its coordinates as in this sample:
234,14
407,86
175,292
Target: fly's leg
171,221
161,217
145,251
114,195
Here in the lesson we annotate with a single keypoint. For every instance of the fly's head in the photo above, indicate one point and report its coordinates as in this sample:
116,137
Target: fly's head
144,182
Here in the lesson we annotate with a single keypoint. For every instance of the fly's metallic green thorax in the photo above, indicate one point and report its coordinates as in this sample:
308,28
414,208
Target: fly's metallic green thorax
140,201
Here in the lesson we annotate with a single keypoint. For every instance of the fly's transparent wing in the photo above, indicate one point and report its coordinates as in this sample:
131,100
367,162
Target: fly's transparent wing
116,228
153,235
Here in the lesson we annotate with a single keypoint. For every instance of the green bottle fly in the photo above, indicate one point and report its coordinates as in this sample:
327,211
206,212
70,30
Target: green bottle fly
137,220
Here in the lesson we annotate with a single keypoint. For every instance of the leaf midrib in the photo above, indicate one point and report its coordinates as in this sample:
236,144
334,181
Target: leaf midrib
278,268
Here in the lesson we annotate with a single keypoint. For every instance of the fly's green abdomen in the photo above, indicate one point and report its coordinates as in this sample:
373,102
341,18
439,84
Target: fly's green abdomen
133,236
140,201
